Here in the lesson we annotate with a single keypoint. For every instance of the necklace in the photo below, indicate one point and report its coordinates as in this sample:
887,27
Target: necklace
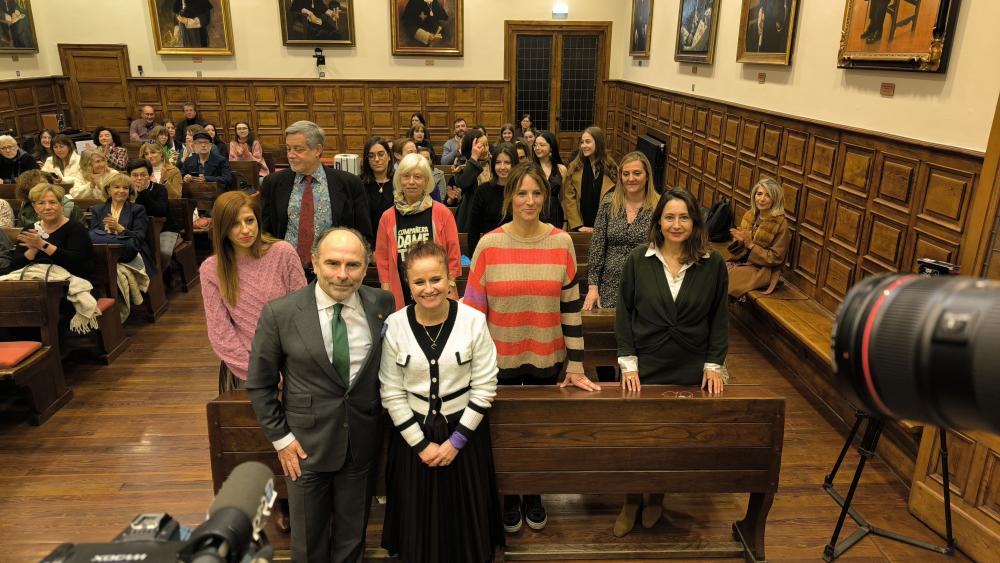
433,339
381,185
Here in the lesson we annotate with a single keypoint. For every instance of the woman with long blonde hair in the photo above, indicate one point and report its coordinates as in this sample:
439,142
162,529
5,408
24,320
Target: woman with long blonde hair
249,268
760,245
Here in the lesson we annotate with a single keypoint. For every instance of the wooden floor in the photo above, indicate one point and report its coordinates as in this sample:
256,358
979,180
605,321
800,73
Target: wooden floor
134,439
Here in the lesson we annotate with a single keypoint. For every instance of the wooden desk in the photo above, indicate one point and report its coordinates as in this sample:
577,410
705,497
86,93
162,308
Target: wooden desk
610,442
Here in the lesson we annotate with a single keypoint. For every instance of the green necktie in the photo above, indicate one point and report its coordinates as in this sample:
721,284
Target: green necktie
341,350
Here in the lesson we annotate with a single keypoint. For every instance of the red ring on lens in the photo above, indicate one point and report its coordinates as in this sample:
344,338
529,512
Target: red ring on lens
866,340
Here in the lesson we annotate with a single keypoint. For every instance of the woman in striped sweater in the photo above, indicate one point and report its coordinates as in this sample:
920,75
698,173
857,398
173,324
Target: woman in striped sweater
523,277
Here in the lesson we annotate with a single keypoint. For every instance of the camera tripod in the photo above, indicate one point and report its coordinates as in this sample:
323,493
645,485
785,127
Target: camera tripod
873,430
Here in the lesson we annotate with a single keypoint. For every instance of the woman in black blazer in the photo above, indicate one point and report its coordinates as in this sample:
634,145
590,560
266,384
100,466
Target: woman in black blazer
672,318
120,221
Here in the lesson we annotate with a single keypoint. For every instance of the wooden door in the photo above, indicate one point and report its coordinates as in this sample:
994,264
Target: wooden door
98,87
974,475
557,73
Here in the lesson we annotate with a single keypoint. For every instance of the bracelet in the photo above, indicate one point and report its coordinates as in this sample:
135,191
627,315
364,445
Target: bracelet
457,440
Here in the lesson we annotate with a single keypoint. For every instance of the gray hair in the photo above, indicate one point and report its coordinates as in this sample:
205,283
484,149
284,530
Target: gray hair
313,133
8,138
340,229
409,163
777,197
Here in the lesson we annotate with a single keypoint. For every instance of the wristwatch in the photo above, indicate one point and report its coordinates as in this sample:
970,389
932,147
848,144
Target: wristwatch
45,246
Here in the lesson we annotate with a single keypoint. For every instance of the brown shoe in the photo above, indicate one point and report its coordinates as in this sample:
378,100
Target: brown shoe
626,518
652,510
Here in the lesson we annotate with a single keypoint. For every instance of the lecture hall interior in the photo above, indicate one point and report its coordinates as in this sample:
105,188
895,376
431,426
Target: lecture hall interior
850,357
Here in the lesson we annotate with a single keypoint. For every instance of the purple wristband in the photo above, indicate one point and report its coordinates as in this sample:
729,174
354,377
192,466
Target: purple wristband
457,440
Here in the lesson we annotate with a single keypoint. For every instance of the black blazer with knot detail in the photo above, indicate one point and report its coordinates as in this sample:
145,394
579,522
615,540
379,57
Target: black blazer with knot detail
348,202
323,415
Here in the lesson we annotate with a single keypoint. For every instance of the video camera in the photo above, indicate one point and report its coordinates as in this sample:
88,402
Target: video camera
233,530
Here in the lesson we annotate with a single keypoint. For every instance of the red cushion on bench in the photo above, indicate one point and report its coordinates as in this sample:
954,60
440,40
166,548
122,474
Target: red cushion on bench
105,303
13,353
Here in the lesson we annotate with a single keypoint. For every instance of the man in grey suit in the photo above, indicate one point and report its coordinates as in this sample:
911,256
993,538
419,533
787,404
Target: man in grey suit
326,340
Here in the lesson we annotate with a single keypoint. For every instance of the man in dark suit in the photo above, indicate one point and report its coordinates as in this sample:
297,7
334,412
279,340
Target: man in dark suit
203,166
326,340
302,202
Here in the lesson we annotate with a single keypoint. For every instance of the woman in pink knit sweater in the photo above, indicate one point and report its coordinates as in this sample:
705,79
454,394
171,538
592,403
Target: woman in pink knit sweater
248,269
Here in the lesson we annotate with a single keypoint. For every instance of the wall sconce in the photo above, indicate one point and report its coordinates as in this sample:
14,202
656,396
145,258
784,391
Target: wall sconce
560,11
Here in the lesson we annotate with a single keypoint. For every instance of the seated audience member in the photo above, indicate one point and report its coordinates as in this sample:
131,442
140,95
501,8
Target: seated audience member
546,154
172,149
440,184
376,175
26,215
245,146
675,339
524,124
474,173
417,118
591,175
121,221
399,145
452,150
204,166
503,289
43,145
6,215
487,205
221,148
141,130
623,223
528,136
507,133
94,175
154,198
64,162
414,217
109,144
248,269
13,160
163,171
297,202
441,503
419,135
53,238
190,118
760,245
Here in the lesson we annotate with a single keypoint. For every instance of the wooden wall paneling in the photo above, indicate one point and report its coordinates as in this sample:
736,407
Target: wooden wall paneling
24,102
794,145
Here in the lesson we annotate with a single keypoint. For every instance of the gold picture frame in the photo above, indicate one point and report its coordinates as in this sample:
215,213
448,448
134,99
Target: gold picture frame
193,36
17,29
697,26
767,31
299,29
914,36
640,33
421,29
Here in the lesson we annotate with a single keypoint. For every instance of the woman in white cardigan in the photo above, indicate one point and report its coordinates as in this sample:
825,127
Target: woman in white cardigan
438,378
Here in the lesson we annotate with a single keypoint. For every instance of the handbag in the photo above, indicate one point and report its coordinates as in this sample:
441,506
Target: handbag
718,221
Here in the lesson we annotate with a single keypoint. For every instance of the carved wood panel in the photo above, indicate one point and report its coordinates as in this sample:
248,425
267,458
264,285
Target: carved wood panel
24,102
350,112
859,203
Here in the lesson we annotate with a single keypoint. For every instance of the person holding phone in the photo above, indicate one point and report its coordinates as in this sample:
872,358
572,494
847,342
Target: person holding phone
203,166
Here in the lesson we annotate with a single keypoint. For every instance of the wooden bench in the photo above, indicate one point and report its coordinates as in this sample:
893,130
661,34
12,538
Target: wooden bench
182,211
247,170
35,304
203,194
8,191
662,439
600,342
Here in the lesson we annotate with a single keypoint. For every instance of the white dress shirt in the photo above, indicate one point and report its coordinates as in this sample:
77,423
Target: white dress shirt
359,337
631,363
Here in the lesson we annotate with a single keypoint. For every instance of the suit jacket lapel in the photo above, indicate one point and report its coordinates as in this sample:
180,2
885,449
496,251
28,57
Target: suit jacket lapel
336,198
307,323
375,321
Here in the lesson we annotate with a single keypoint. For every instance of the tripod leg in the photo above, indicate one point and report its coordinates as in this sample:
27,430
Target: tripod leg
946,490
867,449
858,417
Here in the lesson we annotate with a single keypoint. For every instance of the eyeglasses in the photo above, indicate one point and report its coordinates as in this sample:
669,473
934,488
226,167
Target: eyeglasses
677,394
377,155
8,148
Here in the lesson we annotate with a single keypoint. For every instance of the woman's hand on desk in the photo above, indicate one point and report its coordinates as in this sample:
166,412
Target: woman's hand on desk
711,381
630,381
593,299
579,380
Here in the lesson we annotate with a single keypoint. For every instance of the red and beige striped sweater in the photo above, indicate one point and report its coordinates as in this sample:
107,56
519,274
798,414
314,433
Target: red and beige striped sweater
527,289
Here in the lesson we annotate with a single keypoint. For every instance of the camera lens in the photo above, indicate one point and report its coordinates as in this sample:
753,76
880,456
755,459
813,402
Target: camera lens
922,348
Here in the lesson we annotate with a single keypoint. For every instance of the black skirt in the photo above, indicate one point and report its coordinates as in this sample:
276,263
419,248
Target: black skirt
442,514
